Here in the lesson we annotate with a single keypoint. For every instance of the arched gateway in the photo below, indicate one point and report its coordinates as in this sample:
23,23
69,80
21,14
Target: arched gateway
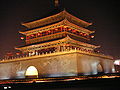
31,72
99,68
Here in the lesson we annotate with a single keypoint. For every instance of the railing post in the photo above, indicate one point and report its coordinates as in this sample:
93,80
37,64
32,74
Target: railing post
75,49
36,53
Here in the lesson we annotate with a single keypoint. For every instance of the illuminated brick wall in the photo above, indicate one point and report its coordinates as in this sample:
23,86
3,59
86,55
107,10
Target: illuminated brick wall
71,64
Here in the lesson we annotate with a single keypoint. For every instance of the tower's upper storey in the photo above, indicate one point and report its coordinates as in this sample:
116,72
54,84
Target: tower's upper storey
55,27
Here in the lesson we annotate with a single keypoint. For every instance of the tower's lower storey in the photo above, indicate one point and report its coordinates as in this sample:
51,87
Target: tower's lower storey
55,65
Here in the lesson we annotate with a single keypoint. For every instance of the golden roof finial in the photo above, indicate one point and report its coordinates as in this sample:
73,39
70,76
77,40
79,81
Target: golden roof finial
56,3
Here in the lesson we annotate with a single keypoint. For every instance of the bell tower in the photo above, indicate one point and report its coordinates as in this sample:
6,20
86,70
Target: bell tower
57,46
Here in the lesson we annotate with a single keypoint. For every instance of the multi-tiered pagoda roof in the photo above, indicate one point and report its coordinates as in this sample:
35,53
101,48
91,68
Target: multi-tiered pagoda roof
56,32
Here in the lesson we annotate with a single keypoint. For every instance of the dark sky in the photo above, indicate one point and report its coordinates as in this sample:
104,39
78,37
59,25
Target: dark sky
104,14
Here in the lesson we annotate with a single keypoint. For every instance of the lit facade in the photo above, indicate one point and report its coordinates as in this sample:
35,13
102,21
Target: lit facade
57,46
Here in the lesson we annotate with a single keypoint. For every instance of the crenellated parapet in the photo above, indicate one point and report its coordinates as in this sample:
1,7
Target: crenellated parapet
64,50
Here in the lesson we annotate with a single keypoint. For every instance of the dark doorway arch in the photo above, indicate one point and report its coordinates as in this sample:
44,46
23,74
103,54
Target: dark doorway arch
99,68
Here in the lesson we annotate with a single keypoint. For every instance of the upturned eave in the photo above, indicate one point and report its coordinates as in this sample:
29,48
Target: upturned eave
54,18
64,22
66,39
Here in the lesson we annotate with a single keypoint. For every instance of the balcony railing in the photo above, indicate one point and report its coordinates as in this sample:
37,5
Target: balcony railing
45,54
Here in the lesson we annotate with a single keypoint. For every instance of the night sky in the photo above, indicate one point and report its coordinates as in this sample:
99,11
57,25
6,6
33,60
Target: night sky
104,14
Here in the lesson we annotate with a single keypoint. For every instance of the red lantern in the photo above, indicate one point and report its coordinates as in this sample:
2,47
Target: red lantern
74,31
21,38
17,53
38,34
92,36
49,31
32,35
56,29
81,33
85,34
69,29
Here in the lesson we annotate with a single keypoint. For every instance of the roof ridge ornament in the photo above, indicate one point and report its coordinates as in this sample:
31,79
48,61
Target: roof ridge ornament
56,2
